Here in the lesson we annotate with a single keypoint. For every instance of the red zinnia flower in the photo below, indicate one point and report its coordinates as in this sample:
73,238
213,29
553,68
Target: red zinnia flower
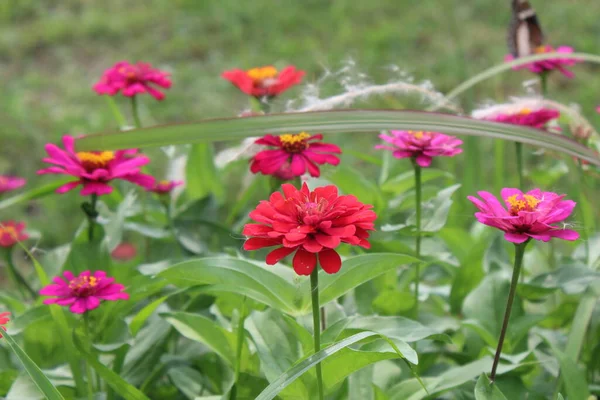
3,320
309,224
124,252
11,233
133,79
264,81
164,187
294,154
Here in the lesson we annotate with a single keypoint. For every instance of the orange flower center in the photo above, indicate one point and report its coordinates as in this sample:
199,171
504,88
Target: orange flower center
83,285
10,230
262,74
92,160
543,50
525,111
164,183
526,203
294,143
417,134
129,72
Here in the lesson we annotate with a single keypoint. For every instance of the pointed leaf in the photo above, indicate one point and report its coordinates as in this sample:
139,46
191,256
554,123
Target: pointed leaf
486,390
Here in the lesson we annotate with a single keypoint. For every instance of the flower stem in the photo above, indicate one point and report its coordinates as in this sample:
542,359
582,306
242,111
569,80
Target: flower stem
519,252
519,154
20,282
314,291
88,368
544,79
240,345
135,112
417,168
92,214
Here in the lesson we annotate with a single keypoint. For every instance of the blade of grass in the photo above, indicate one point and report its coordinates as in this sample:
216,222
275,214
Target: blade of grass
36,374
371,121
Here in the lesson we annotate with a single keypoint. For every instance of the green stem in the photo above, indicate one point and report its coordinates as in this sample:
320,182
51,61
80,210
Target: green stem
115,111
314,291
92,217
20,282
417,168
135,112
88,368
519,252
544,79
519,155
240,345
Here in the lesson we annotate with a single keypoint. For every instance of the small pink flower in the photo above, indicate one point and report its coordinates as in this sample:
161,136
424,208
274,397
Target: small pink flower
293,155
124,252
526,117
3,321
558,63
598,109
11,233
165,187
133,79
421,146
95,169
8,183
527,216
84,292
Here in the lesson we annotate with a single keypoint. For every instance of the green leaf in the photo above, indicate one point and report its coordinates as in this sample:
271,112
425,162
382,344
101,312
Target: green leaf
371,121
113,229
202,177
36,374
301,367
36,193
355,271
435,211
486,390
187,380
406,181
266,285
352,182
120,385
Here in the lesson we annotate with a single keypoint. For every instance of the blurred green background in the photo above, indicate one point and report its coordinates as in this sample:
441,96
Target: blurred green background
52,52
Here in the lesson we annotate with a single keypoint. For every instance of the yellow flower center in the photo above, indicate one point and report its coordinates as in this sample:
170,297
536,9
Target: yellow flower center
10,230
82,282
527,202
164,183
261,74
294,143
543,50
525,111
92,160
417,134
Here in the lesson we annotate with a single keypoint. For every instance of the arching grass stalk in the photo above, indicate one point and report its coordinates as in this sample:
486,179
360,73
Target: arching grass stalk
519,252
314,291
417,169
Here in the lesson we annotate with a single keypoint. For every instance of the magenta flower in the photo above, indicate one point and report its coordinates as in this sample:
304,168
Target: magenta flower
8,183
11,233
84,292
421,146
527,216
133,79
526,117
293,155
598,109
95,169
164,187
558,63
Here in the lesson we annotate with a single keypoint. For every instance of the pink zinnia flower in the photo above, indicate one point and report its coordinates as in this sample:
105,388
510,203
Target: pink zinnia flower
83,292
3,321
264,81
8,183
558,63
598,109
527,117
95,169
527,215
165,187
421,146
133,79
124,252
11,233
309,224
293,155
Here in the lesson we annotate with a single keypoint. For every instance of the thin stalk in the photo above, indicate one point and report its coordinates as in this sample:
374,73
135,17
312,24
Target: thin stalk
92,214
115,111
519,252
88,368
240,346
519,154
417,168
20,282
544,79
314,291
135,112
